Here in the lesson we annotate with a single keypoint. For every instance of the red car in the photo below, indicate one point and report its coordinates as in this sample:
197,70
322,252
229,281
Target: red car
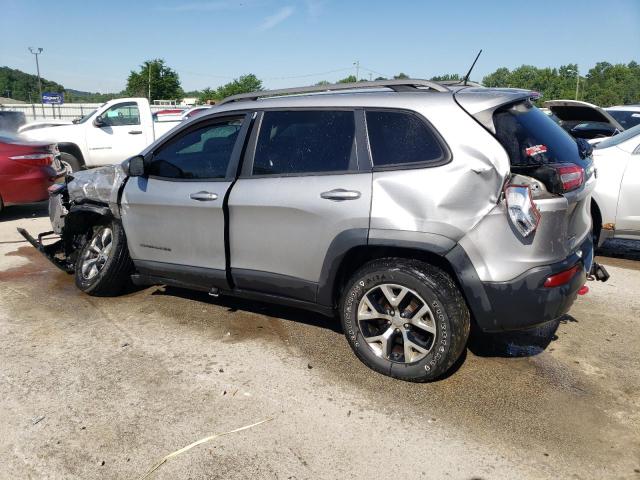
27,169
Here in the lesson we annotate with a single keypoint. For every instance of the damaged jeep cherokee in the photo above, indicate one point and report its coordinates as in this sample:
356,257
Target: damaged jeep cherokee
408,208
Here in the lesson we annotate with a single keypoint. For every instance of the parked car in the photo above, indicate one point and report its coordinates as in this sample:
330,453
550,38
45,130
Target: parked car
10,121
168,115
616,199
628,116
114,132
27,170
405,207
584,120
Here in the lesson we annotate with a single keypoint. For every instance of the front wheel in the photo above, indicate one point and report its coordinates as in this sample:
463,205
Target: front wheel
405,319
103,266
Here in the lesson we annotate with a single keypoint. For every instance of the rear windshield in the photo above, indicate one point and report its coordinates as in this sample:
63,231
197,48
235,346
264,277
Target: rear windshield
530,137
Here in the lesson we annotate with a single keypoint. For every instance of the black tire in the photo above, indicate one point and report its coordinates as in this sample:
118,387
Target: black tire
452,319
596,224
71,161
113,274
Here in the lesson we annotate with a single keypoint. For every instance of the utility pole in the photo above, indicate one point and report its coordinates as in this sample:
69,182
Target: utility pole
37,51
149,71
577,80
357,64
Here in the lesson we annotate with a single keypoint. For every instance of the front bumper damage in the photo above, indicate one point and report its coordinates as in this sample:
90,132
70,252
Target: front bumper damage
86,199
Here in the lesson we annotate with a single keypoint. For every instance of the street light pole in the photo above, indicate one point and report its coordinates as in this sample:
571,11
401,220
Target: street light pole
37,51
357,65
577,80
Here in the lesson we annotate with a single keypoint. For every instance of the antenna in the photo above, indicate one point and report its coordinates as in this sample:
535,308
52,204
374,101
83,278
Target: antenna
466,77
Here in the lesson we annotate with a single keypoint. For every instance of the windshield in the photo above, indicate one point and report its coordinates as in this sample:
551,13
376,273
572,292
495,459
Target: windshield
626,118
88,115
618,139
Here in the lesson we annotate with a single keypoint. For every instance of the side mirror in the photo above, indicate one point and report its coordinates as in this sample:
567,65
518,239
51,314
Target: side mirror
98,121
134,167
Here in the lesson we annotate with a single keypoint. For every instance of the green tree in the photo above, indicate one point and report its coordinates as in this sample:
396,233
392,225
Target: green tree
23,86
447,77
164,82
243,84
401,76
323,82
349,79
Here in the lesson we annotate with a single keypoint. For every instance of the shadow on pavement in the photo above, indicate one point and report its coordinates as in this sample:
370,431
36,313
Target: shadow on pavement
234,304
17,212
524,343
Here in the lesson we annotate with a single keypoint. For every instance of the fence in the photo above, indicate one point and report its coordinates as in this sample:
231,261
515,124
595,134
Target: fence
69,111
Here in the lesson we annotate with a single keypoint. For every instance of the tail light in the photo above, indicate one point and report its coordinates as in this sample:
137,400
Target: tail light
563,277
41,159
571,176
522,211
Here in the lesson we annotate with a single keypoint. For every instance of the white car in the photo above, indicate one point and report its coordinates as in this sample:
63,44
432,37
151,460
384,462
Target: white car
584,120
627,115
615,204
115,131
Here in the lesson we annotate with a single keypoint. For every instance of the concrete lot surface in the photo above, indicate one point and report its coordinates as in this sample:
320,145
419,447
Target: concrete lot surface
105,387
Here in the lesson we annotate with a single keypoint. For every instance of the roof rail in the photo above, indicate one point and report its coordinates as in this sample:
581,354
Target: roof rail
399,85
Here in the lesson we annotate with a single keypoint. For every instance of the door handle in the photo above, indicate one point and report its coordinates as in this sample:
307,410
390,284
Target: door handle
339,194
135,132
204,196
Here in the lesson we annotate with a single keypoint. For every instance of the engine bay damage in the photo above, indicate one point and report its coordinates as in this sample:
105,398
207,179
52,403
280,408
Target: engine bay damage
85,200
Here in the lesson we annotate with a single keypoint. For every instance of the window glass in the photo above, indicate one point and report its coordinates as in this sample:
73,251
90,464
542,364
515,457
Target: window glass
201,153
398,138
531,138
122,114
305,142
626,118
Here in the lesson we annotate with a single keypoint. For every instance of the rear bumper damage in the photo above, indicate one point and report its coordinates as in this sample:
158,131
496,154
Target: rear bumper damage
525,302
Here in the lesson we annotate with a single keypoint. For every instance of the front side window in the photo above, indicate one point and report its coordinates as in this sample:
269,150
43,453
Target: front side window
203,153
299,142
401,138
122,114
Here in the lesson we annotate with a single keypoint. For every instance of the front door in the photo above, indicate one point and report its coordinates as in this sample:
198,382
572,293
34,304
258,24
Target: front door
628,217
120,136
174,215
300,195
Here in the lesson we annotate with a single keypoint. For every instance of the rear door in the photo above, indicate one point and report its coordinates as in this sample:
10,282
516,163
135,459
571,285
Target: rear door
628,218
303,191
174,215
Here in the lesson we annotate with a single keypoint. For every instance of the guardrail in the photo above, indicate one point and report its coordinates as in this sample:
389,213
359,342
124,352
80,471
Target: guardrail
69,111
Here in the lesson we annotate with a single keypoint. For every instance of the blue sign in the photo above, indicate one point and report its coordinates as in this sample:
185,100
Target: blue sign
53,98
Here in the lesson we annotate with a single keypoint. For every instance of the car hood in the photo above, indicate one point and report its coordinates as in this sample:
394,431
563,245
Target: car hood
51,134
100,185
580,112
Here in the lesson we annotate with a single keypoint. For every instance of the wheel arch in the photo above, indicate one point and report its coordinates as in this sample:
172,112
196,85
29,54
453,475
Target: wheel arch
73,149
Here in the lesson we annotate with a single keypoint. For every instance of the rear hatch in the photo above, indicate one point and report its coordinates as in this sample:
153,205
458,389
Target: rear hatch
584,120
558,170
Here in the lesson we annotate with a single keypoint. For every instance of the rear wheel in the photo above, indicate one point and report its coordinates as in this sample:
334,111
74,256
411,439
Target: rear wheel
70,162
103,266
405,319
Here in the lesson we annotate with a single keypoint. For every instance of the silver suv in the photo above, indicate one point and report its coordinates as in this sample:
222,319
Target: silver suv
408,208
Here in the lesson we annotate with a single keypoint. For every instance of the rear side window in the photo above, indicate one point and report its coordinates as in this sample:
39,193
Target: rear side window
532,138
299,142
401,138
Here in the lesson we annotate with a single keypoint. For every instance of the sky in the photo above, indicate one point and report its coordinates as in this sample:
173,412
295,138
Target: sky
92,45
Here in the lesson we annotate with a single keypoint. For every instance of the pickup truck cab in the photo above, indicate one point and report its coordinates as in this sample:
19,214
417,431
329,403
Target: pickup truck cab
112,133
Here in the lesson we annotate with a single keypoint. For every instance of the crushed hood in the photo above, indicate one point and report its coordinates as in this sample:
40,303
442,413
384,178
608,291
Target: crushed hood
575,111
100,185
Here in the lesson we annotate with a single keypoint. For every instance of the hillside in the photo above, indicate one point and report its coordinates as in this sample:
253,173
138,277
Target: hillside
23,86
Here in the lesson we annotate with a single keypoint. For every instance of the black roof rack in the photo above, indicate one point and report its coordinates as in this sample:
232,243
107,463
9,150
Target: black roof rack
400,85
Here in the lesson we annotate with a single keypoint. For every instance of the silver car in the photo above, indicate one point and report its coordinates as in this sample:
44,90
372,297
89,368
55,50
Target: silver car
407,208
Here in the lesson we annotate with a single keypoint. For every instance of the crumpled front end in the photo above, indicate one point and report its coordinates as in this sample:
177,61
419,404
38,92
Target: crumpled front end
86,199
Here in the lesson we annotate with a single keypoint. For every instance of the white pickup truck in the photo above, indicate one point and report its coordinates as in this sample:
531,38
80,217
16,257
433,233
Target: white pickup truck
115,131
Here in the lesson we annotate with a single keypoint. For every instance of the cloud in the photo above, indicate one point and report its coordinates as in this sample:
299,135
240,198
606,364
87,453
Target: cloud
201,6
278,17
314,7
